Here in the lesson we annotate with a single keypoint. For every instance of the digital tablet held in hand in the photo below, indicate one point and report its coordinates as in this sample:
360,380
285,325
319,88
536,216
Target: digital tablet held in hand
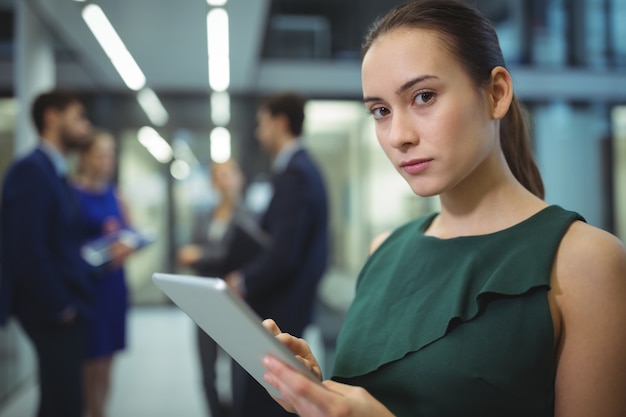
229,321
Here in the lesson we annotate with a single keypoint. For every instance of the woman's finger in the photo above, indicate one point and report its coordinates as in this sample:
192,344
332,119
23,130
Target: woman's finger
297,392
298,346
272,326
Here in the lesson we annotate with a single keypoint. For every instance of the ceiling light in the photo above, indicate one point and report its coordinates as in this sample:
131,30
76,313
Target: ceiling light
220,144
114,47
180,170
220,108
218,49
155,144
216,2
152,106
219,73
217,32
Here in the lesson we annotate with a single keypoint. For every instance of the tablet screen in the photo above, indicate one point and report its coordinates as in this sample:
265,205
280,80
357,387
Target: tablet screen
229,321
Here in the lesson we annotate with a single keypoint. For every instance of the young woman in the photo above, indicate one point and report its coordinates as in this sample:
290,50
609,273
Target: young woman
498,305
102,213
223,240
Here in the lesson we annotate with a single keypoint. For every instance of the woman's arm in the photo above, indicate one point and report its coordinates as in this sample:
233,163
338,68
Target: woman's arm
589,290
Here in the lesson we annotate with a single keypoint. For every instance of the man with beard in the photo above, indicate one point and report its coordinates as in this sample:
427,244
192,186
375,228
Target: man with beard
43,275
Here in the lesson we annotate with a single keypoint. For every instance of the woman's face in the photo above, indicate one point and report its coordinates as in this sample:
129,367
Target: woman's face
99,159
227,178
431,120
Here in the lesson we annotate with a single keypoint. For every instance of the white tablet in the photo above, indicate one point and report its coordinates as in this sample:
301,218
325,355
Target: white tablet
229,321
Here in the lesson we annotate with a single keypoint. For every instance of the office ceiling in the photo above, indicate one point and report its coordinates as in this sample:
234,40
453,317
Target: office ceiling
312,45
308,45
168,40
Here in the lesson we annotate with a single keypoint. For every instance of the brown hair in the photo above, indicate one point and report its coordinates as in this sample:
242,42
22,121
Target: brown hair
471,38
289,104
88,145
56,99
92,138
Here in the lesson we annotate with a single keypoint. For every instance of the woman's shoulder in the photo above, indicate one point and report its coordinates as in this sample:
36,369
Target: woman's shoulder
378,240
589,287
590,262
589,248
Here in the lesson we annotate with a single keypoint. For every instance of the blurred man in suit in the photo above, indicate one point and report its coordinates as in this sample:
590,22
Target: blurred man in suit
281,283
43,274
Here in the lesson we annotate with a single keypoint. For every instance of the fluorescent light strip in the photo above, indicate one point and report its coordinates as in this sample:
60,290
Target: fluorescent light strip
180,169
216,2
152,106
155,144
217,32
219,73
114,47
220,144
218,49
220,108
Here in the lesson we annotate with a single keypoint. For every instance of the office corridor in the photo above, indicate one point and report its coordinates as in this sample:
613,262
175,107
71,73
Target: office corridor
156,376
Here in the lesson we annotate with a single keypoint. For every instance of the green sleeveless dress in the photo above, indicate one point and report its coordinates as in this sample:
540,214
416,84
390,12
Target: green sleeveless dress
457,327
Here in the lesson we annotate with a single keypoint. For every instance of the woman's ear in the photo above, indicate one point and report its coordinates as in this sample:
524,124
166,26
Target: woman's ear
500,92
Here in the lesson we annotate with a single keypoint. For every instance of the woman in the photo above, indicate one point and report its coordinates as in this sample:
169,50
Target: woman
102,214
498,305
223,240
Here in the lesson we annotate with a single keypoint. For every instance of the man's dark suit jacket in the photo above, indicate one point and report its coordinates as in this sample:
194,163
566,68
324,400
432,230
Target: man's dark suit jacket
42,271
281,283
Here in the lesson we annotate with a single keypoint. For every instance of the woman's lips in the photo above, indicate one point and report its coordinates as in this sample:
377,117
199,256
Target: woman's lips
415,166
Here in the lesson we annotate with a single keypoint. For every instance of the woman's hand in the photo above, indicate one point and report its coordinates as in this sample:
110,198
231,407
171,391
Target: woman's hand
299,394
119,252
298,346
189,254
308,398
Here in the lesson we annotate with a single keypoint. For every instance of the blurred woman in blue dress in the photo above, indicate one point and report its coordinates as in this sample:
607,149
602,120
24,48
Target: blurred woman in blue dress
103,214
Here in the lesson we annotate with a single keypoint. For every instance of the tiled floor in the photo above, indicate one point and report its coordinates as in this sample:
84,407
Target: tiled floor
156,376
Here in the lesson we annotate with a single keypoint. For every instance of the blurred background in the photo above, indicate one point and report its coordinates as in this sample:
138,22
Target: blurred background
179,82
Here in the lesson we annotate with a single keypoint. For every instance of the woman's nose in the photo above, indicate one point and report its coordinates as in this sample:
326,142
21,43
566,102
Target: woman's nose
403,130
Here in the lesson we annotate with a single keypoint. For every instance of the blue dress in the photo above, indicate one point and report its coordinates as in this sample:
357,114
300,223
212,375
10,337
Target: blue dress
107,330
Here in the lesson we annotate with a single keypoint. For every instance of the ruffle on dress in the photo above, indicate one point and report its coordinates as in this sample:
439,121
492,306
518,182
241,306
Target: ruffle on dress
415,289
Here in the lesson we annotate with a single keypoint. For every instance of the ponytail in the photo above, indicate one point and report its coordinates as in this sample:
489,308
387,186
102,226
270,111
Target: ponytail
515,142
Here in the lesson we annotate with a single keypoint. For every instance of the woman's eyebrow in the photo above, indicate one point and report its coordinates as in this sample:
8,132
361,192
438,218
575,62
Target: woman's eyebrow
404,87
412,82
367,99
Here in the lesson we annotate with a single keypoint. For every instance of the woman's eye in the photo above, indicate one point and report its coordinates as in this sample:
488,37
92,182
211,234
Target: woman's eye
380,112
425,97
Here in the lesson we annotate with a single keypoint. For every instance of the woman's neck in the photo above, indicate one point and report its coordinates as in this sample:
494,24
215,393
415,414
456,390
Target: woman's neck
91,182
483,204
225,208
